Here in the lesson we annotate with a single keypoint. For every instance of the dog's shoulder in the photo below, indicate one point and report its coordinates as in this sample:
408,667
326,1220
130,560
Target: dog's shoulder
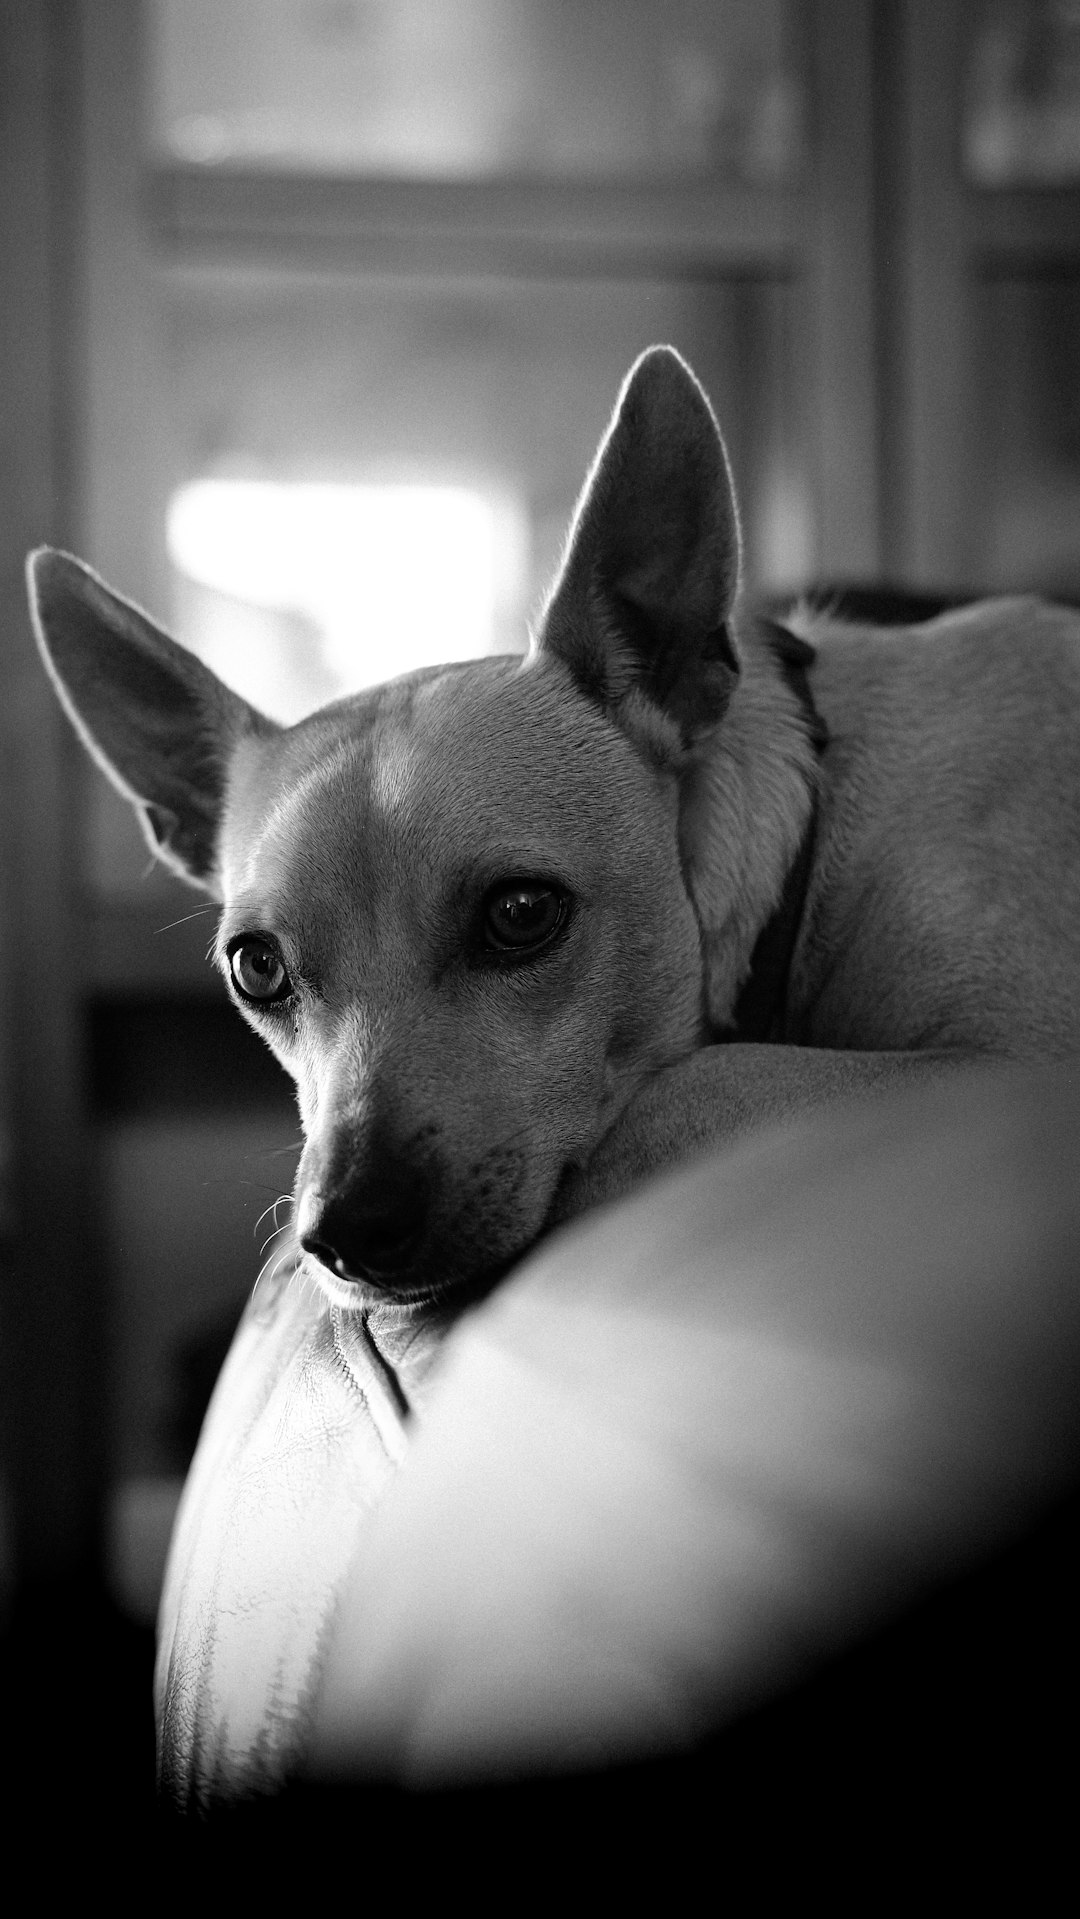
949,816
1011,623
1018,655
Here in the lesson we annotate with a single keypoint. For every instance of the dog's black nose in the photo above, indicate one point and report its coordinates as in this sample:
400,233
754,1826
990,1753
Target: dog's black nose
377,1244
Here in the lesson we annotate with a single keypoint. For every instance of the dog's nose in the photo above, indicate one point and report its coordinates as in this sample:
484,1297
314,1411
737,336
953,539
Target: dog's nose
378,1244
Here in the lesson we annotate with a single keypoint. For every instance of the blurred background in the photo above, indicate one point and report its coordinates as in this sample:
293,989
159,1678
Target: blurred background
311,315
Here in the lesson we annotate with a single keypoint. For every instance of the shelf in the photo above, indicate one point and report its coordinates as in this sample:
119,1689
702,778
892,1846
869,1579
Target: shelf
511,226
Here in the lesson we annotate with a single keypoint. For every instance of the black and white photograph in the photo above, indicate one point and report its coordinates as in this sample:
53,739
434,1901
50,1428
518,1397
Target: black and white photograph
540,953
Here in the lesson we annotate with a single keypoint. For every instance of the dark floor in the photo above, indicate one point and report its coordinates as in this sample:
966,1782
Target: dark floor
942,1756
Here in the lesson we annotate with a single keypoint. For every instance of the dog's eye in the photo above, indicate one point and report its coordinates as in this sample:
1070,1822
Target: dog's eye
257,972
522,914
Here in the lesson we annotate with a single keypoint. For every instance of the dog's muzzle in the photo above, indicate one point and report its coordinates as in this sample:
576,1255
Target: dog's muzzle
379,1243
376,1246
365,1209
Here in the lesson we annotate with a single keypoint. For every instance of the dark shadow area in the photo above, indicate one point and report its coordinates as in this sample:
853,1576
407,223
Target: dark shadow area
939,1750
196,1362
882,603
937,1756
168,1057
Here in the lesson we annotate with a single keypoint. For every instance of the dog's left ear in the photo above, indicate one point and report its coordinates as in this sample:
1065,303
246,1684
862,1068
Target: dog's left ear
644,598
159,723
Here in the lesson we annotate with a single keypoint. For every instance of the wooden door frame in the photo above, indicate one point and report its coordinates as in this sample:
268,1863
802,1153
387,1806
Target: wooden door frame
948,233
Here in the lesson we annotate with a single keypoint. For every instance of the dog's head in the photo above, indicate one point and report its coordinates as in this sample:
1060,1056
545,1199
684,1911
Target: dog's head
455,907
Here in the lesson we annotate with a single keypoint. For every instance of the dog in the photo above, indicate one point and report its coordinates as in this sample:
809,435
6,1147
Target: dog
525,930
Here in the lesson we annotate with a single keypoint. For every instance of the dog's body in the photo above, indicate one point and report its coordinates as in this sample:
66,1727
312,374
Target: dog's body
525,930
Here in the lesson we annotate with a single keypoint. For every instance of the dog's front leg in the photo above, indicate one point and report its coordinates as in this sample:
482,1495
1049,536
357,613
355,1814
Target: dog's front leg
723,1093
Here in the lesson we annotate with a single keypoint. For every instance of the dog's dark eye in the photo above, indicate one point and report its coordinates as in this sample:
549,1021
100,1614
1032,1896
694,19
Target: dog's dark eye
520,914
257,972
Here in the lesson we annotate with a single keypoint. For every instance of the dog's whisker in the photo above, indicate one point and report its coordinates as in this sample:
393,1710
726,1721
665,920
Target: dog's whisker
276,1234
282,1199
210,907
246,1186
270,1268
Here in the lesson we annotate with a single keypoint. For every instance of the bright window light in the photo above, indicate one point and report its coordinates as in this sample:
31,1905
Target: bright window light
387,578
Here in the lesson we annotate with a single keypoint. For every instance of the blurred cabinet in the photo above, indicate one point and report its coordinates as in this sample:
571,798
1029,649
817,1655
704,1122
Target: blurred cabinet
352,244
339,244
342,244
345,243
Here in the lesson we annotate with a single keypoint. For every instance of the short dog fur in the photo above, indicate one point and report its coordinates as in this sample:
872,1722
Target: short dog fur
525,929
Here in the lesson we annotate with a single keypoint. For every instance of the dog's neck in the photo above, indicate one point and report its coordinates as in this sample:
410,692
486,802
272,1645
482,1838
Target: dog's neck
748,801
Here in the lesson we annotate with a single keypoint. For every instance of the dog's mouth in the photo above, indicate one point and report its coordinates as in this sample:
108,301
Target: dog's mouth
349,1287
367,1256
390,1276
413,1288
407,1249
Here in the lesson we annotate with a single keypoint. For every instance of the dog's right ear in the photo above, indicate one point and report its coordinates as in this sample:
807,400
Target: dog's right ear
643,603
158,722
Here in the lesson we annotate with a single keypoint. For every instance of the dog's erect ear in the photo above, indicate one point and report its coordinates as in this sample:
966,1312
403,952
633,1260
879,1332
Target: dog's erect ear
157,721
644,598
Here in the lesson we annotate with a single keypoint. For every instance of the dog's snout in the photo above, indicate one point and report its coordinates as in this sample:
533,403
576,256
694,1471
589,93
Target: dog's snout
378,1242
